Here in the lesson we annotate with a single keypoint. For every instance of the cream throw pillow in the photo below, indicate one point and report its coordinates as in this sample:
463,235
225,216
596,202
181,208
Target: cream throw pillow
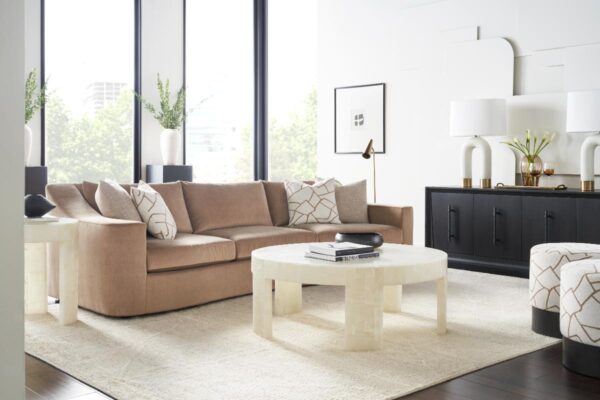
351,202
310,204
154,211
114,202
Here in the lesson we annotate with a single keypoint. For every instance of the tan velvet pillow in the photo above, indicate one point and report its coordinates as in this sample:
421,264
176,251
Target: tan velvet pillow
114,201
351,202
214,206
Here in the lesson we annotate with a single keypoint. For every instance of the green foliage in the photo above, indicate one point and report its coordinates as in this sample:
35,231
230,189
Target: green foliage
90,148
169,117
33,102
292,147
531,148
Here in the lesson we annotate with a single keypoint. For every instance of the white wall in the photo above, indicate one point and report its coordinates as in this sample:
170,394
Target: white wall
12,358
402,43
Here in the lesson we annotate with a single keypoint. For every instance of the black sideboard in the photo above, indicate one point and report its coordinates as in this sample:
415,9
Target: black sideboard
493,230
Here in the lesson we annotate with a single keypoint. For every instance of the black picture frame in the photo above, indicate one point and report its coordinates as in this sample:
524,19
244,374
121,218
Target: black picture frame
336,92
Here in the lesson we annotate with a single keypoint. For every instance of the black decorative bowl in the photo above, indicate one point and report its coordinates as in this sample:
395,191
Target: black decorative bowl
367,238
37,205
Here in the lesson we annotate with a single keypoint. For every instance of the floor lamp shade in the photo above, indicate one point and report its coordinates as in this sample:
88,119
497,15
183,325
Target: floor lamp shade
583,116
474,118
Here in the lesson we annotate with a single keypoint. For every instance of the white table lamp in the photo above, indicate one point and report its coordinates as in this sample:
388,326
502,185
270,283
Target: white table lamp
583,116
475,118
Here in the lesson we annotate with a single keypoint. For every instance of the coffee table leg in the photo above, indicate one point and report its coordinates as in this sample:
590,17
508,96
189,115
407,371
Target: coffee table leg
392,298
364,310
68,281
262,306
442,284
288,297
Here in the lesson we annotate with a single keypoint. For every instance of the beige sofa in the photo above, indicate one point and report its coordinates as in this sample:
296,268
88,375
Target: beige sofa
124,272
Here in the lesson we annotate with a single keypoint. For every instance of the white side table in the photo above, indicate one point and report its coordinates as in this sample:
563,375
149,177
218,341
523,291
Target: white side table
38,235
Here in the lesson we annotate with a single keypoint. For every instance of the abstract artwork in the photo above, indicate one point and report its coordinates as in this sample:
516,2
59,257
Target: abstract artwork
359,117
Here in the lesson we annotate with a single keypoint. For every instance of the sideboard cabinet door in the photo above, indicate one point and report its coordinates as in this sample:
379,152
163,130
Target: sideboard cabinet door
497,226
588,220
452,222
547,220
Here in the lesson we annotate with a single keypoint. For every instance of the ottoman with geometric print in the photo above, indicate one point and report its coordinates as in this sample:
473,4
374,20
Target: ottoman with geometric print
580,316
545,263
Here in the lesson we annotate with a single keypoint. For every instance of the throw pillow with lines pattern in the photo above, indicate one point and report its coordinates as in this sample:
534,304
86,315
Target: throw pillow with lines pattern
154,211
312,204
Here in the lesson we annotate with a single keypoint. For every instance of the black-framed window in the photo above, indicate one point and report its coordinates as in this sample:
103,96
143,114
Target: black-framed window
292,75
90,61
219,77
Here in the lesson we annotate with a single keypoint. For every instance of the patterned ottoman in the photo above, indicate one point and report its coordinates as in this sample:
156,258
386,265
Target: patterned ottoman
580,316
544,281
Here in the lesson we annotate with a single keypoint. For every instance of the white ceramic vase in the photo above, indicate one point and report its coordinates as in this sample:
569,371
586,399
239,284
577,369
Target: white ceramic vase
170,141
28,142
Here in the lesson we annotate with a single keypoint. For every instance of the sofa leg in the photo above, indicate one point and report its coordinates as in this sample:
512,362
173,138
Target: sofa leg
545,323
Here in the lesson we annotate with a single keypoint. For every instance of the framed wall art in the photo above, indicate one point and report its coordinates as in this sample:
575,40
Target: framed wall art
359,117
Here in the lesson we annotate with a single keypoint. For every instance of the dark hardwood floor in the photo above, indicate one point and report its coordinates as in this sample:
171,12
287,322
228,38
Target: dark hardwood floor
535,376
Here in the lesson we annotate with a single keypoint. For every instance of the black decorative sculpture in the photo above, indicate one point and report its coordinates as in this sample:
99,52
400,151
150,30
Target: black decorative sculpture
37,205
367,238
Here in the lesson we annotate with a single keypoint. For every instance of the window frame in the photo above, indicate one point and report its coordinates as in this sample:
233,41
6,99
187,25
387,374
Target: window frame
137,86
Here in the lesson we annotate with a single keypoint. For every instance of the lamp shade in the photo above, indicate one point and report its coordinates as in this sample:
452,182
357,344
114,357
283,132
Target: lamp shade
583,111
478,117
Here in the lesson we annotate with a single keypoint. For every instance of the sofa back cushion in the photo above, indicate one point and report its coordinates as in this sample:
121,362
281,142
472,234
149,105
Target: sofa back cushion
69,201
277,201
172,194
214,206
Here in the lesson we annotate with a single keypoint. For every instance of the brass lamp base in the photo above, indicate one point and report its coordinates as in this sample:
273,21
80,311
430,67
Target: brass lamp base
587,186
467,183
486,183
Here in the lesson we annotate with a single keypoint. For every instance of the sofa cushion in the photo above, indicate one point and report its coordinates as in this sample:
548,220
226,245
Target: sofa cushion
249,238
154,212
312,203
69,201
215,206
187,250
351,200
326,232
277,201
115,202
172,194
88,189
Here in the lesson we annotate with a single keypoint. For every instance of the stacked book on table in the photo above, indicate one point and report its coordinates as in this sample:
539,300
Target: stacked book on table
343,251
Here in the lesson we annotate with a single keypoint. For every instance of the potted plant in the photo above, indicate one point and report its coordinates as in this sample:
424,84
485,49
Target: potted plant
531,163
33,102
170,117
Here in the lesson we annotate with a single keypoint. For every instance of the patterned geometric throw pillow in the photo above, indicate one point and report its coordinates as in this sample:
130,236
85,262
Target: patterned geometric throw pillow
154,211
312,204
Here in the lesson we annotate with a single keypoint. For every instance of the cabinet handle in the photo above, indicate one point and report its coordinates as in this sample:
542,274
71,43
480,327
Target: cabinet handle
547,217
496,213
451,211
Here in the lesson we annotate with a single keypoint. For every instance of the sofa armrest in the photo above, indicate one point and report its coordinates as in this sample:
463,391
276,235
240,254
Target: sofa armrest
112,266
400,217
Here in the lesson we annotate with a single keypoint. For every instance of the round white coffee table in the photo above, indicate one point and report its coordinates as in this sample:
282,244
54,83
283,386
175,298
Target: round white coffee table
371,285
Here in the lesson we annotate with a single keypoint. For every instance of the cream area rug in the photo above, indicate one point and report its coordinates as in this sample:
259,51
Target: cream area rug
210,351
